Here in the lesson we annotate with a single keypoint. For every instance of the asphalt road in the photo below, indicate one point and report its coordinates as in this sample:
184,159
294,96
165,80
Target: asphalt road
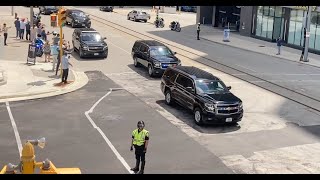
293,75
73,142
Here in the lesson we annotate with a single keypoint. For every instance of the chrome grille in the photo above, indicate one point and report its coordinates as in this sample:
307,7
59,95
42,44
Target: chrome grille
227,108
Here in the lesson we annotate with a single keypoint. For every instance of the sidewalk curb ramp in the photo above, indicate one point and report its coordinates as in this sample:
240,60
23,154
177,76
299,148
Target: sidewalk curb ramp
80,80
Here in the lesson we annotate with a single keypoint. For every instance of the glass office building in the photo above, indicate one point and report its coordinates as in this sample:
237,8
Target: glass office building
288,23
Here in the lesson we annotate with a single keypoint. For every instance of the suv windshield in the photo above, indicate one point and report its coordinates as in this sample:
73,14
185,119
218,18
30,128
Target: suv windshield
50,7
205,86
90,37
160,51
79,13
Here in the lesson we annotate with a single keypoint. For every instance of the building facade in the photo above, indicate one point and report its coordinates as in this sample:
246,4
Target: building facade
266,22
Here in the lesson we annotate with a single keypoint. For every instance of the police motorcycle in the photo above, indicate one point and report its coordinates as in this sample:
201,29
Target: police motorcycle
39,46
175,26
159,23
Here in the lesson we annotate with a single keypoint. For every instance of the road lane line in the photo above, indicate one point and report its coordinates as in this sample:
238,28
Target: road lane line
114,150
15,129
119,47
246,68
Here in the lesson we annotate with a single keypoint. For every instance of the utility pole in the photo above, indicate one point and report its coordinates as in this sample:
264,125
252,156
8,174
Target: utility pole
304,54
31,16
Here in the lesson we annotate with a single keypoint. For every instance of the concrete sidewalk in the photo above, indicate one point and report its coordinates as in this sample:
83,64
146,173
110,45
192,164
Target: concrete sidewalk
19,81
26,81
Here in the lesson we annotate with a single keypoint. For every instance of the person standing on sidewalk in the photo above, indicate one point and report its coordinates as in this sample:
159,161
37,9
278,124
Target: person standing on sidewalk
17,25
64,48
65,67
22,27
5,33
140,141
28,32
54,53
47,51
198,31
279,43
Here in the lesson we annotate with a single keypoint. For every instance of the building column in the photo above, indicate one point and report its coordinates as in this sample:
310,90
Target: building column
204,14
246,20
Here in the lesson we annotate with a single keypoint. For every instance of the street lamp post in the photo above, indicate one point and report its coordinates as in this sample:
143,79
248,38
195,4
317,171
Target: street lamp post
31,16
304,54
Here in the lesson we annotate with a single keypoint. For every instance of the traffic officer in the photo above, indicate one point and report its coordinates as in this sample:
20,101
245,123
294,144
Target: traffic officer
140,140
198,31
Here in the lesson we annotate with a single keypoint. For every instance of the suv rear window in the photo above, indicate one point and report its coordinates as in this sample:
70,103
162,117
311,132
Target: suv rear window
184,81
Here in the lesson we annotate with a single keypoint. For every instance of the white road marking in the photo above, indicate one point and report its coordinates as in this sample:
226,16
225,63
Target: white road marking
246,68
114,150
15,129
120,48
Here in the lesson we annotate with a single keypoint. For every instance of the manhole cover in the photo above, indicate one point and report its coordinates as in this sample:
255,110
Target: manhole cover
261,46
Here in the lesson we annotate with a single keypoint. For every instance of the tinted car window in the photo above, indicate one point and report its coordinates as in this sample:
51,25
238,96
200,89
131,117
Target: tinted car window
93,37
143,49
78,13
210,86
160,51
184,81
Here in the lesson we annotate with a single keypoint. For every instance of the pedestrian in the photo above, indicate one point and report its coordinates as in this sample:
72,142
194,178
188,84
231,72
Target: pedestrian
198,31
54,53
65,67
28,31
17,25
39,29
44,34
47,51
56,39
5,33
33,34
22,28
279,43
140,141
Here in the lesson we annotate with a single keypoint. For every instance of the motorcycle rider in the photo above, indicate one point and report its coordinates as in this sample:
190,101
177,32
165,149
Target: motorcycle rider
173,25
157,21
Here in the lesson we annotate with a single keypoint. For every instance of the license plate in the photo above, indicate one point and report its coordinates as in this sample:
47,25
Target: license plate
229,120
83,25
96,54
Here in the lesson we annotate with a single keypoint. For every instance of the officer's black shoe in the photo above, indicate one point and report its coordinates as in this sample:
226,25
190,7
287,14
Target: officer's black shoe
140,172
142,168
136,169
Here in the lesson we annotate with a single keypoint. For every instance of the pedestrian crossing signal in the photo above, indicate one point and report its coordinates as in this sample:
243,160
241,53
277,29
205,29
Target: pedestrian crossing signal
62,17
53,20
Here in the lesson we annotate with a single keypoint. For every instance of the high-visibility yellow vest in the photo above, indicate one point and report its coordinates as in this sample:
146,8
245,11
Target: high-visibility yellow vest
139,137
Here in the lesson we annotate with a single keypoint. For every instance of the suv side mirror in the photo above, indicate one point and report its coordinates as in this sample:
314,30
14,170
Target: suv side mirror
228,87
104,38
189,89
174,52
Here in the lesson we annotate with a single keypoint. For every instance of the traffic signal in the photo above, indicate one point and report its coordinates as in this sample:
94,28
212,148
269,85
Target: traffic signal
53,20
62,17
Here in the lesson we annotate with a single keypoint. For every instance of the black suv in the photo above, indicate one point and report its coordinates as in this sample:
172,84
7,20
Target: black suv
206,95
89,43
48,9
153,55
77,18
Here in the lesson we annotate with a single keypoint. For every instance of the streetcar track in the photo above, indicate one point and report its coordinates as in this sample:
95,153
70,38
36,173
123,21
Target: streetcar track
296,95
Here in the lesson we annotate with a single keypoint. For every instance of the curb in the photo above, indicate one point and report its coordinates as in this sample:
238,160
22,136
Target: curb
81,80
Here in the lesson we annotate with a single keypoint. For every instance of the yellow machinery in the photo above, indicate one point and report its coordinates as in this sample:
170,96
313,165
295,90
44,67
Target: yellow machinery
28,163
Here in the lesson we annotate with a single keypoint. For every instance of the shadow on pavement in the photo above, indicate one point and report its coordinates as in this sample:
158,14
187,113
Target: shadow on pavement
187,117
143,71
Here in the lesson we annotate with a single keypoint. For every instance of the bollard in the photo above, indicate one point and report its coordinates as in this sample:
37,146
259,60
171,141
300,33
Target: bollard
15,15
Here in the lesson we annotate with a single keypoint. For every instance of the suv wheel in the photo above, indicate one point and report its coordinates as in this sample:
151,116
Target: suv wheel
72,24
150,70
198,116
134,19
128,18
168,97
135,62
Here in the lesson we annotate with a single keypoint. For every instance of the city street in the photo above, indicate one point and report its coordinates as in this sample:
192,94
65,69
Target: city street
91,127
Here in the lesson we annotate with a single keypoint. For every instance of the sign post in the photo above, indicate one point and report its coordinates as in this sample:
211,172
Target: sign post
226,35
31,54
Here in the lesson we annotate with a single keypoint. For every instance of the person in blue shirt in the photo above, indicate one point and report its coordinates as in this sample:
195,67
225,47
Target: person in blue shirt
279,43
65,67
54,53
